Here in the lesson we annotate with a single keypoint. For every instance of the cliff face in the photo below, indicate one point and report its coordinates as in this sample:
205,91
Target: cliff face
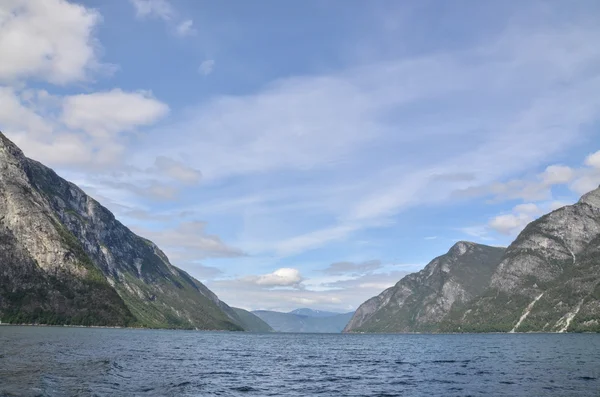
549,278
420,301
64,258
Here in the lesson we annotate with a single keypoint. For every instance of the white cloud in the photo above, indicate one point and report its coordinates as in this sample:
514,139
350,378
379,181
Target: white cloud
153,8
353,267
593,160
206,67
284,277
313,239
522,214
102,114
368,128
528,208
534,189
189,241
79,130
59,150
185,28
510,223
177,170
164,10
341,293
48,40
557,175
588,181
17,117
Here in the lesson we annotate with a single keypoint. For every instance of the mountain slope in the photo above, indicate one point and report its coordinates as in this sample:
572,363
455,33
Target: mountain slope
289,322
313,313
419,301
548,280
251,322
65,259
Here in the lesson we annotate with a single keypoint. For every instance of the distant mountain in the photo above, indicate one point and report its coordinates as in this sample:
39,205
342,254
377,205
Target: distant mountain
547,280
251,322
65,259
420,301
290,322
313,313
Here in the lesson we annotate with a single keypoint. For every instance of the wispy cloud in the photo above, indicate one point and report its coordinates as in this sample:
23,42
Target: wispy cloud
189,241
207,67
185,28
321,123
153,8
164,10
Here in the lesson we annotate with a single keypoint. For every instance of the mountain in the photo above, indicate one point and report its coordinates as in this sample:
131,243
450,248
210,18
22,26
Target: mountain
65,259
313,313
548,279
290,322
419,301
251,322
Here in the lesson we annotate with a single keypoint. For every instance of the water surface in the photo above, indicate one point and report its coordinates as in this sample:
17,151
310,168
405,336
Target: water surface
56,361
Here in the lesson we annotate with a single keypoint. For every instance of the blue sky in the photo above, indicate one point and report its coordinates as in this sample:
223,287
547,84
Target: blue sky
309,153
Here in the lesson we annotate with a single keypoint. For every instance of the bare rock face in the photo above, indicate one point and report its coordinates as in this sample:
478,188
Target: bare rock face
65,259
420,301
549,278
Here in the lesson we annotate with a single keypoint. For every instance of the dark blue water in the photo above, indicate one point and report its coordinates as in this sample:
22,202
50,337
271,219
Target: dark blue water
47,361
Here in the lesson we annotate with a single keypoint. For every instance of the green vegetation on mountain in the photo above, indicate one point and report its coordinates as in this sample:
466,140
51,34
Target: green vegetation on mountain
251,322
65,259
547,280
419,301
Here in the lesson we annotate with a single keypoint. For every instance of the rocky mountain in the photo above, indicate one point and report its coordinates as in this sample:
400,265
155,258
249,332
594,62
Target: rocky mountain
548,279
291,322
65,259
420,301
251,322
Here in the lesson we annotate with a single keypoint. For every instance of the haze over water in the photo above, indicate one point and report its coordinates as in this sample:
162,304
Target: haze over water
48,361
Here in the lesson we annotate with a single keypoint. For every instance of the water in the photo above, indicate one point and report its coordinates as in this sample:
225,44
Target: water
48,361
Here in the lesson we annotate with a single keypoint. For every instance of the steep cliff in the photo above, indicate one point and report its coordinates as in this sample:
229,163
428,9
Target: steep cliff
65,259
548,280
420,301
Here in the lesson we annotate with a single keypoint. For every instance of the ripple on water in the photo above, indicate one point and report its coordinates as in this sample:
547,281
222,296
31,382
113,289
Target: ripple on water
63,361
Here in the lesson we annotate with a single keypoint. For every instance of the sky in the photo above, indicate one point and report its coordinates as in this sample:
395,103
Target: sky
309,154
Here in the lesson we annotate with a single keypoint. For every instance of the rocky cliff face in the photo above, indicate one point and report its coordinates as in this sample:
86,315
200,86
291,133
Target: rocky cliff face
548,280
65,259
420,301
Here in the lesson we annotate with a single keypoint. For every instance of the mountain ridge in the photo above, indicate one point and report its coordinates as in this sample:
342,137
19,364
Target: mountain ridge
550,273
419,300
61,250
546,280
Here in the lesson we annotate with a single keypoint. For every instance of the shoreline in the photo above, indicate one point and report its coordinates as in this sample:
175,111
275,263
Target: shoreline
112,327
318,333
